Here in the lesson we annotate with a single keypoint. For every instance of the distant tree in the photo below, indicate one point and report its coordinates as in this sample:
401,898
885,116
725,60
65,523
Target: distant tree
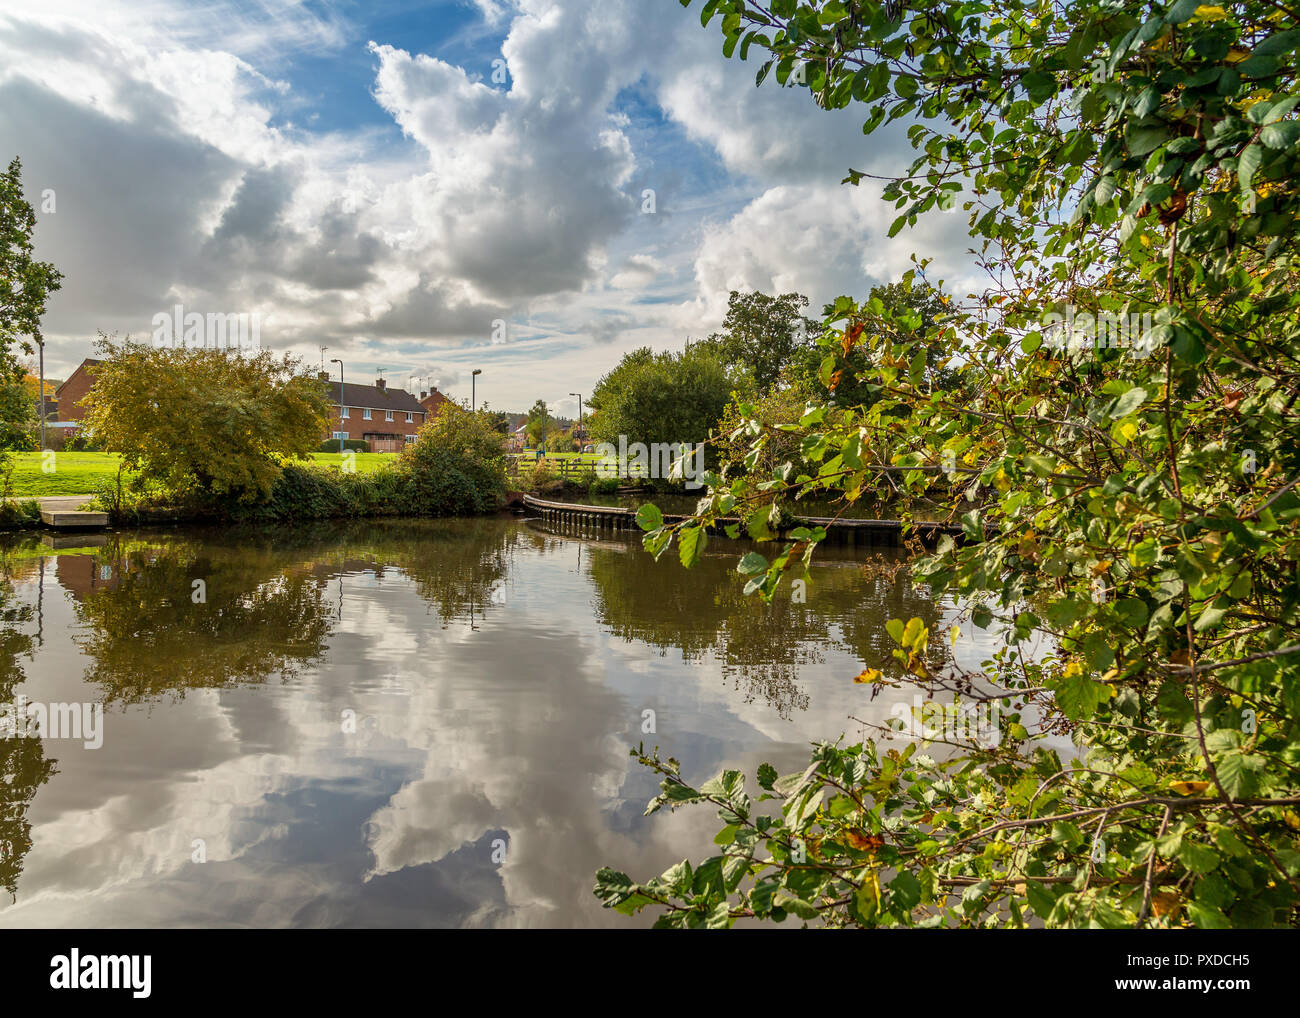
666,397
498,420
539,424
561,441
763,334
213,421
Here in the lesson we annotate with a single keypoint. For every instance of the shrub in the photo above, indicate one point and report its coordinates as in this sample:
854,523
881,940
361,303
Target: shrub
540,477
353,444
19,515
457,460
304,492
83,440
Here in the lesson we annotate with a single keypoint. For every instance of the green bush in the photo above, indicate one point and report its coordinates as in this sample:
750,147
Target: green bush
447,484
309,492
456,465
83,440
19,515
353,444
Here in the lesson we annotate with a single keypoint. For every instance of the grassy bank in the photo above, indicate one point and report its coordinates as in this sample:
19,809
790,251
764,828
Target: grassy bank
82,473
62,473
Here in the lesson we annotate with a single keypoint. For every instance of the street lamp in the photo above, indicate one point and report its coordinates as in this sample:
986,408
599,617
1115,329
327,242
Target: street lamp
580,431
335,360
473,403
41,344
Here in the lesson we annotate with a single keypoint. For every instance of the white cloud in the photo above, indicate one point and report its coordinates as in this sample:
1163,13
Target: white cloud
166,133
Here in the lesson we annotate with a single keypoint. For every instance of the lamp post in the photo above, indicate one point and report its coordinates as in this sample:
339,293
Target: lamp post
41,344
335,360
473,402
580,431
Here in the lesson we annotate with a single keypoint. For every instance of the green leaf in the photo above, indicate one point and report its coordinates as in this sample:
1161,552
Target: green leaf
648,517
1079,697
1128,402
1247,163
691,542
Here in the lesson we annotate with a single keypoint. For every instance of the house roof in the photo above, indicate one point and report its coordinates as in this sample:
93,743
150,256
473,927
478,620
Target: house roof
433,401
371,397
89,362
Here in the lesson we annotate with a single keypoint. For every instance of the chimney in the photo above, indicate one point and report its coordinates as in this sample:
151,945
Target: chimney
423,394
380,383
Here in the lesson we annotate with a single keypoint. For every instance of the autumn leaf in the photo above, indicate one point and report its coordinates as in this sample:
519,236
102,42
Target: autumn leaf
1165,903
862,841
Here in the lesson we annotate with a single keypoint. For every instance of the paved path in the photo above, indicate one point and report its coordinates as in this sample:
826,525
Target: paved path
59,503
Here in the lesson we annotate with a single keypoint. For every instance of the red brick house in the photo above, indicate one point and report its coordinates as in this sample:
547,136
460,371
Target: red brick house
75,388
433,402
386,418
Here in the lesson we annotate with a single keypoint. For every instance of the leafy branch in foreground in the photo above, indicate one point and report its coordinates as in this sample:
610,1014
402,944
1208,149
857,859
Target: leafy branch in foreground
1127,500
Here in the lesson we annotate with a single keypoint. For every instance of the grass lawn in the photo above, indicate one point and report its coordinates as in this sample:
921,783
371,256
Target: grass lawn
81,473
366,461
70,473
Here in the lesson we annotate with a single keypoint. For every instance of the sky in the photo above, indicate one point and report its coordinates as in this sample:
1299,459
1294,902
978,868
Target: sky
527,187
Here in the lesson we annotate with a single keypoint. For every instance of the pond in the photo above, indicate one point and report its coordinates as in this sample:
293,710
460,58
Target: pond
395,723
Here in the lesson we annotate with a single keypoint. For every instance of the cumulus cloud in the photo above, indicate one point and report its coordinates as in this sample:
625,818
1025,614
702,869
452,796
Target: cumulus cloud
167,133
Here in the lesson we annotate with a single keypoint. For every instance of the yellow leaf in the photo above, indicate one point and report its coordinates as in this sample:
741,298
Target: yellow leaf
869,675
862,841
1164,903
1189,787
1209,13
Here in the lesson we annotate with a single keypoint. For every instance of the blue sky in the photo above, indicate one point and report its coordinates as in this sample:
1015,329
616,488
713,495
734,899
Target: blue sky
350,173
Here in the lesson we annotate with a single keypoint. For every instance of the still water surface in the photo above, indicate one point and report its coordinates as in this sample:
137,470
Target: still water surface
498,675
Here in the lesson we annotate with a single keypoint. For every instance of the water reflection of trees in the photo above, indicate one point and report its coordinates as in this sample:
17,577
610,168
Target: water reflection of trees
268,605
761,648
23,764
150,629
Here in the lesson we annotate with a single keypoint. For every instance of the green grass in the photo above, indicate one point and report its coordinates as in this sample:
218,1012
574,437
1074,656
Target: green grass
366,461
81,473
72,473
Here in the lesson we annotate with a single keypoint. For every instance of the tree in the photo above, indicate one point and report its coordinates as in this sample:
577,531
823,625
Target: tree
666,397
18,420
497,419
763,334
215,422
1130,497
456,465
25,285
539,424
561,441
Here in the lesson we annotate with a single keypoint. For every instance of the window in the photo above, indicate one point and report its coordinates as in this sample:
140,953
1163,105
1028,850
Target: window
365,415
410,417
339,436
344,413
410,438
388,415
